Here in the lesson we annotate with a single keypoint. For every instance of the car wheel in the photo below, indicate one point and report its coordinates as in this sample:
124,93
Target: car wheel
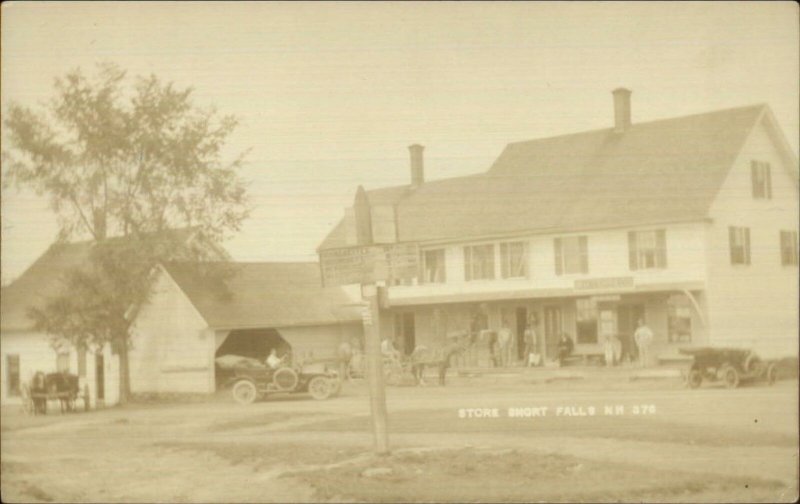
319,388
730,376
772,374
244,392
694,379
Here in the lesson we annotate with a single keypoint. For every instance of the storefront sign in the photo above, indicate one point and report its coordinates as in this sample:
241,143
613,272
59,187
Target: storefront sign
369,264
604,283
612,298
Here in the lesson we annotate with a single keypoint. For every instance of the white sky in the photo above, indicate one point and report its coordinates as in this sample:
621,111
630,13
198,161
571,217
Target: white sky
330,95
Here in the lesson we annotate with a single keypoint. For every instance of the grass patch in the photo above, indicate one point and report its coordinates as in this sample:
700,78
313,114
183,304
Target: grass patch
264,456
469,475
628,428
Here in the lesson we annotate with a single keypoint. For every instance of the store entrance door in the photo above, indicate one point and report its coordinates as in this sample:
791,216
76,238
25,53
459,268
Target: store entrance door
628,316
552,330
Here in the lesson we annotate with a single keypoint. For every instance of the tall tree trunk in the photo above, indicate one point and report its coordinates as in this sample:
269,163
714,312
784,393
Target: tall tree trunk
124,371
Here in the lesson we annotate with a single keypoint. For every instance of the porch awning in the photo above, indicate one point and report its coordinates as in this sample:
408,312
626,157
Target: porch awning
410,299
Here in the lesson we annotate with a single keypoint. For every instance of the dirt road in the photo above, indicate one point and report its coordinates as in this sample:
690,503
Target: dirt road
217,451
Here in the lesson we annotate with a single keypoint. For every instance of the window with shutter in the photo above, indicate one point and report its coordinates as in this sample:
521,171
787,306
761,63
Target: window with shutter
633,254
558,256
571,255
739,239
479,262
514,260
584,251
434,266
789,248
761,179
647,249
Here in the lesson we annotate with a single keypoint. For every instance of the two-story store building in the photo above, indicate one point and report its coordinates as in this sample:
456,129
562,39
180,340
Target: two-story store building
689,224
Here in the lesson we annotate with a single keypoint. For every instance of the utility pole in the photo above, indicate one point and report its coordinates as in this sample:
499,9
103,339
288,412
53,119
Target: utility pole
377,393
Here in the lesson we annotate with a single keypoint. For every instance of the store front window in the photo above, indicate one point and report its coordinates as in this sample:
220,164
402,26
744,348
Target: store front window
586,321
679,322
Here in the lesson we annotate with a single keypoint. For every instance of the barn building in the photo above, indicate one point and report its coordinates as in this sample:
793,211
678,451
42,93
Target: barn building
199,312
688,223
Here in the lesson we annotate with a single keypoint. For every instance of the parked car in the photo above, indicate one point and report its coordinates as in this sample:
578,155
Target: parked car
732,366
251,384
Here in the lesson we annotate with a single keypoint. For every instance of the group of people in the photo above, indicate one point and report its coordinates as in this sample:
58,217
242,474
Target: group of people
502,346
614,351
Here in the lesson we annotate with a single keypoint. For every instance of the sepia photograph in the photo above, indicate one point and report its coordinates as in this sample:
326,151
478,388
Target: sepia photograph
399,252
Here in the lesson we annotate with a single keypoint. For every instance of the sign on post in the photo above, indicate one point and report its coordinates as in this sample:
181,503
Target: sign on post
369,264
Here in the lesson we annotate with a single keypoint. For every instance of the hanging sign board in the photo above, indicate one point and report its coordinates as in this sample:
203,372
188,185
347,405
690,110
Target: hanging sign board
369,264
604,283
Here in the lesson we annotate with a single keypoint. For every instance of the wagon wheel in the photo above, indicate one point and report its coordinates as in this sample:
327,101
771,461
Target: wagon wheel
319,388
244,392
694,378
730,376
27,401
772,374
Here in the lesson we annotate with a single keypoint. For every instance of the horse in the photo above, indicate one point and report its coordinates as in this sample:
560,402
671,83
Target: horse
423,357
38,390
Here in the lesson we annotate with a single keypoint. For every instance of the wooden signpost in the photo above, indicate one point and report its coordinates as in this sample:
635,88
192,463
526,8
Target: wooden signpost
372,266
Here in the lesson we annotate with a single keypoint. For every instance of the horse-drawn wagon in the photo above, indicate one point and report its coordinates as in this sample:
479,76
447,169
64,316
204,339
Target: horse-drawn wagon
62,387
732,366
398,370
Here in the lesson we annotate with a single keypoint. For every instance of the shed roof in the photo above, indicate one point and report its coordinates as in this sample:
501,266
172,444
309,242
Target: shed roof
659,171
249,295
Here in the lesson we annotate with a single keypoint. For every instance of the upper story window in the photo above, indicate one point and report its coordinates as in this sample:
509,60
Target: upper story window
479,262
513,260
739,238
789,248
762,181
647,249
433,266
572,255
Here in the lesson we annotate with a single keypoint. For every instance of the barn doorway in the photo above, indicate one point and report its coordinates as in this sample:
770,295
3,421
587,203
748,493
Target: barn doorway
252,343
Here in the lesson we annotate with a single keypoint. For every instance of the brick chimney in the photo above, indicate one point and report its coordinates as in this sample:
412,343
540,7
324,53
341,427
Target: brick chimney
622,109
417,167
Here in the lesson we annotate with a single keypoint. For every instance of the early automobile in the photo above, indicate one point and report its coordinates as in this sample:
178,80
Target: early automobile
732,366
253,383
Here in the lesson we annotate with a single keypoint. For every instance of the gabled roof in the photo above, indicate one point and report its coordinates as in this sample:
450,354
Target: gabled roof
43,279
251,295
659,171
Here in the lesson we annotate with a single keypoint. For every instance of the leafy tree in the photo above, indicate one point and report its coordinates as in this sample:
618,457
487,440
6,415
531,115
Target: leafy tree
137,161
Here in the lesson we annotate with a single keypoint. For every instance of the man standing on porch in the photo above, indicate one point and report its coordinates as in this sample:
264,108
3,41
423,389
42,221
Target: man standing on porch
643,337
504,337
